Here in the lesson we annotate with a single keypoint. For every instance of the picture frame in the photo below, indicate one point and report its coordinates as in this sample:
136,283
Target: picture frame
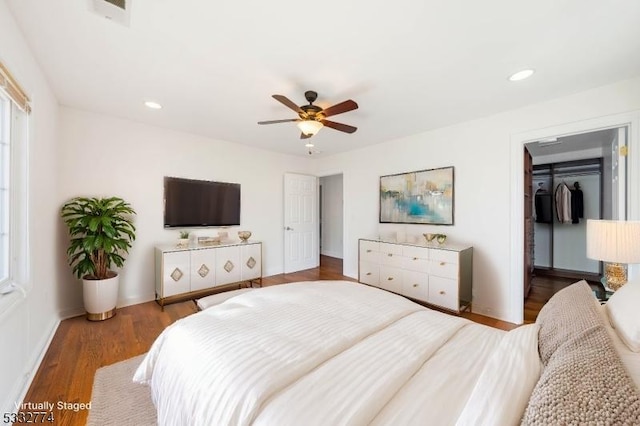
420,197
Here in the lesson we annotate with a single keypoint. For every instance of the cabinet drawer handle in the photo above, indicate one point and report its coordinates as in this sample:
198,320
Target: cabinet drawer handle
390,279
390,254
442,292
442,263
415,285
368,251
415,258
368,273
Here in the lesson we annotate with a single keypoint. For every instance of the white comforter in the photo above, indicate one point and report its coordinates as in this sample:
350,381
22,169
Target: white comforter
316,353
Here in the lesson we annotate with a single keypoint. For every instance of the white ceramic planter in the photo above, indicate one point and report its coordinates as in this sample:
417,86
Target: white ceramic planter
100,298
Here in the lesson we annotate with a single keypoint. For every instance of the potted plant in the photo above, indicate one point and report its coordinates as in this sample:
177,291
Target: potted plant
101,231
183,241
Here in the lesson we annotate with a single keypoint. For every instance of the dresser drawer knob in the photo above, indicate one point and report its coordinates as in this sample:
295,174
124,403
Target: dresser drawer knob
390,254
368,273
390,279
442,263
415,285
368,251
415,258
442,292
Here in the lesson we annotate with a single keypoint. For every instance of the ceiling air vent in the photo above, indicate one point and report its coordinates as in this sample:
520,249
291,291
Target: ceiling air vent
114,10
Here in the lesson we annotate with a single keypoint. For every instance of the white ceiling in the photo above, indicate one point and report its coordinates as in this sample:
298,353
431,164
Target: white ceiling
601,139
411,65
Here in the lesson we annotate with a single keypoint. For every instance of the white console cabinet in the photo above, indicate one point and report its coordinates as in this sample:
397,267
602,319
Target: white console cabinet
189,272
438,275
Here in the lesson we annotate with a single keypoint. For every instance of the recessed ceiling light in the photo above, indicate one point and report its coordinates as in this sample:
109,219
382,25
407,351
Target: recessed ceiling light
309,145
521,75
153,105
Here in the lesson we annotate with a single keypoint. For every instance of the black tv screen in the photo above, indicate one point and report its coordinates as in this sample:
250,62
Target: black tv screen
189,202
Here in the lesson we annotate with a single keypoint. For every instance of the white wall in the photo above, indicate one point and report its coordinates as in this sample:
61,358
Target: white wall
106,156
27,326
332,216
480,151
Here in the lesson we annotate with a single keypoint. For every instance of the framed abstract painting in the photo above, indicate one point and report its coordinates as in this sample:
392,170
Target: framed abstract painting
421,197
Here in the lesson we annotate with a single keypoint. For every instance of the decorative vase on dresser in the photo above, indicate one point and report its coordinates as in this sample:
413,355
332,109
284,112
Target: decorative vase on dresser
190,272
440,275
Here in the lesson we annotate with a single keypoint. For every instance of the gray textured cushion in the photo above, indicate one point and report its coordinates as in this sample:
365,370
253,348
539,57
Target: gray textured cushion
570,311
584,381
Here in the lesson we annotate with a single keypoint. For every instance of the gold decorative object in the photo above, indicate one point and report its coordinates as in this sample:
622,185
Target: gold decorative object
429,237
203,271
244,235
251,263
441,238
615,275
176,274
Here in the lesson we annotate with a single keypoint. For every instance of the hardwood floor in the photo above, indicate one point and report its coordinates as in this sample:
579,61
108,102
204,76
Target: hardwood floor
542,288
80,347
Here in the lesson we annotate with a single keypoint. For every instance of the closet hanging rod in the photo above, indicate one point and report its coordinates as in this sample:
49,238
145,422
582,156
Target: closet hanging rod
569,174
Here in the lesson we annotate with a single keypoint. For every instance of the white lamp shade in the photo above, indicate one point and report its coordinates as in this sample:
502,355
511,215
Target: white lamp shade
613,241
309,127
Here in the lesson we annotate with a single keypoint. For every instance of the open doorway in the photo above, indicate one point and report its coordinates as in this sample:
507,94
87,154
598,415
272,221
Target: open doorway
331,216
586,172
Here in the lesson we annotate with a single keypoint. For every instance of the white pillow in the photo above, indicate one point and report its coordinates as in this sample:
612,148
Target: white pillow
623,308
503,389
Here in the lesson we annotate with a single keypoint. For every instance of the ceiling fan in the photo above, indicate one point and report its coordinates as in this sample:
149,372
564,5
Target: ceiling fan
312,118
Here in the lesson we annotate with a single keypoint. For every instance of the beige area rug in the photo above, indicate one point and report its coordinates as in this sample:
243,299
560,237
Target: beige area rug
117,400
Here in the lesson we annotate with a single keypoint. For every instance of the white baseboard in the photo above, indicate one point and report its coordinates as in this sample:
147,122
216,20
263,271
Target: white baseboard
70,313
489,312
44,347
336,254
134,300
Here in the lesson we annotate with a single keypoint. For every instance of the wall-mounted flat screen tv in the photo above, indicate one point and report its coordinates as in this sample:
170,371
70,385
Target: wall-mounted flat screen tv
189,202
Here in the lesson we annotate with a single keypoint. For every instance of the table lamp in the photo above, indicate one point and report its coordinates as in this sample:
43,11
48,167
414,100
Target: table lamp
616,243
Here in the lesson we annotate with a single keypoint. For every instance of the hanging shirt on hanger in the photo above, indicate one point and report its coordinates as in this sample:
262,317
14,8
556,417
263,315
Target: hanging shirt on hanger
563,203
543,206
577,203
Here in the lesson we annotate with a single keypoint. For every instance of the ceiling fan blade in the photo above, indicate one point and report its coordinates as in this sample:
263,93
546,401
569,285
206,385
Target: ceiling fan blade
303,136
339,126
286,102
278,121
340,108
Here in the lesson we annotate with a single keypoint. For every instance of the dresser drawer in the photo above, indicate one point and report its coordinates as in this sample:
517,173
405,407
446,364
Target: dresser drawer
448,256
415,264
391,255
369,273
369,251
443,292
415,285
444,269
417,252
391,279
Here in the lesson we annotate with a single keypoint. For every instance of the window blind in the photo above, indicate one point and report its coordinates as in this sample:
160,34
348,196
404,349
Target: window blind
13,89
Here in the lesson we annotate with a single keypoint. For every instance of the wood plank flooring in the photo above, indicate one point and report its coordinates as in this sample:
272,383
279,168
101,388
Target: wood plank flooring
80,347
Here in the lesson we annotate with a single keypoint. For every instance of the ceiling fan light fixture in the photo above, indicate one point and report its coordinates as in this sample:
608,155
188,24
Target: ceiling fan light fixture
309,127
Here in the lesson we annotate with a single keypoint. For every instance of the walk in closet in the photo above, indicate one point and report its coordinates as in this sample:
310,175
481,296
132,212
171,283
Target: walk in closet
565,195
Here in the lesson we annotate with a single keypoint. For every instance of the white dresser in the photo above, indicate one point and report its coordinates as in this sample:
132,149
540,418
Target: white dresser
440,275
190,272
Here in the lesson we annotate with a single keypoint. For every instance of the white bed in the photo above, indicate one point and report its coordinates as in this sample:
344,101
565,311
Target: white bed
335,352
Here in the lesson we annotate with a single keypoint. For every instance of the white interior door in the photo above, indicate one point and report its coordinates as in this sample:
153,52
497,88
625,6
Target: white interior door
300,222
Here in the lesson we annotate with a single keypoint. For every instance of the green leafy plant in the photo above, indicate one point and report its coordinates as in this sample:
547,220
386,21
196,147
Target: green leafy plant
184,234
101,231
